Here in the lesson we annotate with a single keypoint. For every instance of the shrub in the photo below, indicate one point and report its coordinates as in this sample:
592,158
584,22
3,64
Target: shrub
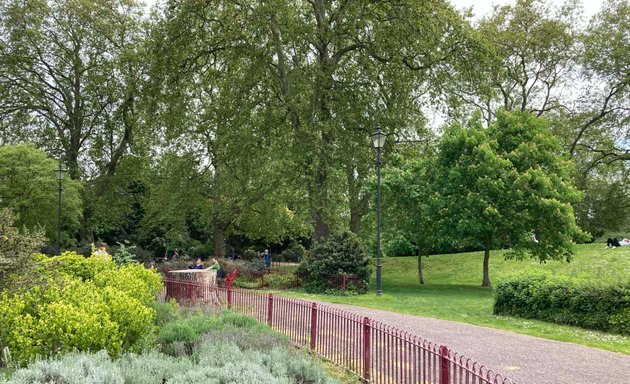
74,265
280,281
340,253
165,312
249,254
255,267
565,301
16,247
181,336
398,245
124,254
152,368
79,304
237,350
73,368
294,253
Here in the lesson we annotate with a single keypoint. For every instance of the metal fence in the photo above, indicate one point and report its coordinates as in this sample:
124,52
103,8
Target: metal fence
376,352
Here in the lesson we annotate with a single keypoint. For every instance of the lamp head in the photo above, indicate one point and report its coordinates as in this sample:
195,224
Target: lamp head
378,138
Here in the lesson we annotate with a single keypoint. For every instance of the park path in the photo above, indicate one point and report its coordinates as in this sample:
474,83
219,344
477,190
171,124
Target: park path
524,359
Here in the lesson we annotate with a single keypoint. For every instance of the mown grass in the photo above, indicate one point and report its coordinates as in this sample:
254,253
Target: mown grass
452,290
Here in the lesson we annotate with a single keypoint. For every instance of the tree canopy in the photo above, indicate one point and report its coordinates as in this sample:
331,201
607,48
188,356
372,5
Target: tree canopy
207,124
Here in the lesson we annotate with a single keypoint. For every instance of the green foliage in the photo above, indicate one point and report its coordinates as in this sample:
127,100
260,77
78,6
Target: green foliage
201,251
79,304
250,254
340,253
293,253
499,185
235,349
15,247
280,281
398,245
565,301
75,265
185,332
165,312
122,254
28,185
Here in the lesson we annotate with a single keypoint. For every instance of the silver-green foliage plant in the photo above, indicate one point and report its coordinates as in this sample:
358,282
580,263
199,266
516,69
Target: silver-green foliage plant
214,362
73,368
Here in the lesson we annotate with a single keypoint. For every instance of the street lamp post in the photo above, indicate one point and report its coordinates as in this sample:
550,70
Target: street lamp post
378,139
59,171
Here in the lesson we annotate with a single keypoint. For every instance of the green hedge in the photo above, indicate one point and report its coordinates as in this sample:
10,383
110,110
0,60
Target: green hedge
567,301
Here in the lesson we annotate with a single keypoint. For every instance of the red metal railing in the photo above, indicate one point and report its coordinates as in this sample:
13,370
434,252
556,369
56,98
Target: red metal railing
375,351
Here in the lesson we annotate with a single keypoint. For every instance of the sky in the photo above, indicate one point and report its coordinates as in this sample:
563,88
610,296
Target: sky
484,7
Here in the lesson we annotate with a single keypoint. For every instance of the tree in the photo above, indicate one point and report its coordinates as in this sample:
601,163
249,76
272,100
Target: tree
334,69
547,63
408,191
535,51
72,71
29,186
506,185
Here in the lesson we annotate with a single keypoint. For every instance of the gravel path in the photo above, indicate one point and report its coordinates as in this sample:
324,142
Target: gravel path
524,359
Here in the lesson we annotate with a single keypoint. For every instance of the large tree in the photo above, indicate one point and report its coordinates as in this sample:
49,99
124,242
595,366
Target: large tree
71,72
506,185
319,76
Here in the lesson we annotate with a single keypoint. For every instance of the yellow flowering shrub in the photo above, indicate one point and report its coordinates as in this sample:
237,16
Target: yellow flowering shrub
87,304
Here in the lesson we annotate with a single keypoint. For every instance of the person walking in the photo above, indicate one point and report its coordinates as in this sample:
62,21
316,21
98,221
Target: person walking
267,260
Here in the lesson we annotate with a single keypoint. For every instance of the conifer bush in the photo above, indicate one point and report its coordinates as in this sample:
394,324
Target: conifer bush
341,253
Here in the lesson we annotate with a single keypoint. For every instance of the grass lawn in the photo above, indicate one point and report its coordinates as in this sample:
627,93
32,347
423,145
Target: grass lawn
452,290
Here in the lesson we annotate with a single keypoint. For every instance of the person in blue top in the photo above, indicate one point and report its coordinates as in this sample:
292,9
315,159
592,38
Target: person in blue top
267,259
199,265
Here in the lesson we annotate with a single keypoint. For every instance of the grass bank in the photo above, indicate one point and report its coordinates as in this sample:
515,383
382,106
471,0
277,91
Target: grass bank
452,290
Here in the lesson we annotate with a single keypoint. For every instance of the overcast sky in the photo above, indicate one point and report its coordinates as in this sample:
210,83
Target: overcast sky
483,7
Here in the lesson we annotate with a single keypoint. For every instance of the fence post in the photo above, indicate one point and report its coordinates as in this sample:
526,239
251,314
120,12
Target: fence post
262,280
189,289
445,371
269,309
313,325
343,281
366,349
229,297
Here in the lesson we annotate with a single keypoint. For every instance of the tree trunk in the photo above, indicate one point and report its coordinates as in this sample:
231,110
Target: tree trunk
420,277
486,259
355,220
358,203
86,233
320,226
219,241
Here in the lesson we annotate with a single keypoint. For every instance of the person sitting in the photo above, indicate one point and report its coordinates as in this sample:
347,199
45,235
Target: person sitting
199,265
216,265
614,243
